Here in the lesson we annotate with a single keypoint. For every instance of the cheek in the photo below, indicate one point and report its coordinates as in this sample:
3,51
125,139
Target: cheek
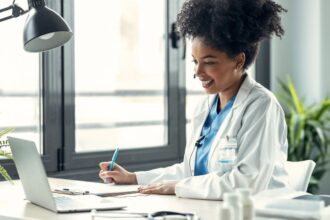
218,75
222,78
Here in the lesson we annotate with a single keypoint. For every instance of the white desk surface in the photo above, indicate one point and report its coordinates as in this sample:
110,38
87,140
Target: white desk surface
13,205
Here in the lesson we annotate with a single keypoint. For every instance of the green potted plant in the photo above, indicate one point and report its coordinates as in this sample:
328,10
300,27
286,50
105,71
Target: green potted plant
308,131
4,153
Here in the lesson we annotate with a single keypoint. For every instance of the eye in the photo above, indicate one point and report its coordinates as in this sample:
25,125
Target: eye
210,62
194,61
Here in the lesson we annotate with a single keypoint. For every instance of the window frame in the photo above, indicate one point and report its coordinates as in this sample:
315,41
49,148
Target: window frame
142,157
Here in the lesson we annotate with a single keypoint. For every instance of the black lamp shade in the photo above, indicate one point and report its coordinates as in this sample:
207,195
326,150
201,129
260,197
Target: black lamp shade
45,29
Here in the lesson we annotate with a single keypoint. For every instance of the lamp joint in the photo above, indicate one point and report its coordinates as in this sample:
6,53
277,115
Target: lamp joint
36,3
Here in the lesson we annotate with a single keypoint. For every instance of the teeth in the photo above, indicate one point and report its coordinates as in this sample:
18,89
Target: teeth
204,83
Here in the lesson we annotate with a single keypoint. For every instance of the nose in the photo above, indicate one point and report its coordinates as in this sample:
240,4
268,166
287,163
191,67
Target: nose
198,70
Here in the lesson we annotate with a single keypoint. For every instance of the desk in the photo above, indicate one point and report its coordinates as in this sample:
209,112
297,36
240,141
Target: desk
12,203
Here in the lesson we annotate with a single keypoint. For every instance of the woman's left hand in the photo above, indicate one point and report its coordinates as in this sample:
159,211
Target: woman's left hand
166,188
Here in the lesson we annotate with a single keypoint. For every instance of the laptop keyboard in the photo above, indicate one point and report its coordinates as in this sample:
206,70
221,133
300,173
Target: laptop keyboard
83,203
65,202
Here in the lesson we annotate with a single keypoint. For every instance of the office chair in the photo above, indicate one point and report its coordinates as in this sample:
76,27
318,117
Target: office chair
299,173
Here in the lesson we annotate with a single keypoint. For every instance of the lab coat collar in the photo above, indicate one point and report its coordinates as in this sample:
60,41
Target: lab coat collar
241,96
244,90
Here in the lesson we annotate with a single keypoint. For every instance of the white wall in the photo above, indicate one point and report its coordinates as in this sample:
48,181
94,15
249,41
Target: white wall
304,53
298,53
325,69
325,44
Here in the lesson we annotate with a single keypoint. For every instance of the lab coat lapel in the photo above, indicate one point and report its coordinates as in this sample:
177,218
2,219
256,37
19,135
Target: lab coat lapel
244,91
224,130
198,122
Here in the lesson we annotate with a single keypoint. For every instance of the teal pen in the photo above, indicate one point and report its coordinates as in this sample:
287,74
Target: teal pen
113,160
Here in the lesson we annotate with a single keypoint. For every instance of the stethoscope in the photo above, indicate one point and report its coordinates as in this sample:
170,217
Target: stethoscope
161,215
198,143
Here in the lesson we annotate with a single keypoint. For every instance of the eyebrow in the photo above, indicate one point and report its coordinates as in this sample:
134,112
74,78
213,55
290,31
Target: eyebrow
207,56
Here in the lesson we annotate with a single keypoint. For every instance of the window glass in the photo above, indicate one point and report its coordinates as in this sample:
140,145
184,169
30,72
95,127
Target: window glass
120,86
19,81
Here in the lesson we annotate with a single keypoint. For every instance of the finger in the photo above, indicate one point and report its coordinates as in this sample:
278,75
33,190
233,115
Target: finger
102,175
104,165
111,174
154,190
147,191
152,186
111,180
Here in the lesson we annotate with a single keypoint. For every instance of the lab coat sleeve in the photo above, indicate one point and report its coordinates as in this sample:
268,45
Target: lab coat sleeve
171,173
175,172
259,140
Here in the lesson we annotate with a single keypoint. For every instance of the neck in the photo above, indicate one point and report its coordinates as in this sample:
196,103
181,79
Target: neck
231,91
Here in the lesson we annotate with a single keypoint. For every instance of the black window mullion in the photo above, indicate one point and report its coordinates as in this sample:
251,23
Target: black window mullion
52,107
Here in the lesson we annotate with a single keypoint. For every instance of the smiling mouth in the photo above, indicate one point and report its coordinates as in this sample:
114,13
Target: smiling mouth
207,84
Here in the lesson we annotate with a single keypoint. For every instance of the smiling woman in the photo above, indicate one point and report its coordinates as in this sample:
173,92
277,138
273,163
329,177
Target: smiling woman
238,134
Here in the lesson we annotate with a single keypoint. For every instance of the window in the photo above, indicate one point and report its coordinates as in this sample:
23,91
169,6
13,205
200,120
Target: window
120,75
120,85
19,82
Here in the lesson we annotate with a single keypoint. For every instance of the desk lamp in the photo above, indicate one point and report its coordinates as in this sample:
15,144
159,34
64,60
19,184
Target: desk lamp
44,29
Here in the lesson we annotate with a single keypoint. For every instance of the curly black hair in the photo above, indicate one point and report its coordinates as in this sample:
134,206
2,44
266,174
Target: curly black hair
232,26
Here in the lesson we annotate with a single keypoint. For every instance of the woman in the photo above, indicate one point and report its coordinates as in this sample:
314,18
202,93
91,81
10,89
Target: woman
239,135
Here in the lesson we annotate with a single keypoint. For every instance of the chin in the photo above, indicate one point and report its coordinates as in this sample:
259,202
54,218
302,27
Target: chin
212,91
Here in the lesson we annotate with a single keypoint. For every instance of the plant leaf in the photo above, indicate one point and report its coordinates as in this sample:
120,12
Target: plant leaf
299,107
318,127
6,130
5,175
297,123
6,154
325,106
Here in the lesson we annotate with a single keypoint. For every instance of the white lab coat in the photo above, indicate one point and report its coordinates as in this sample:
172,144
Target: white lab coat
257,122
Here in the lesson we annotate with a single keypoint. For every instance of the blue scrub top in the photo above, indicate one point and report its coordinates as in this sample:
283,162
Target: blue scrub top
210,129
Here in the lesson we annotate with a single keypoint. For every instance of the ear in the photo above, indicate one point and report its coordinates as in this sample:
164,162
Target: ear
240,61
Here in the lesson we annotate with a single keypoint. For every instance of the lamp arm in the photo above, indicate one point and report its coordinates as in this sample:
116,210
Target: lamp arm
16,11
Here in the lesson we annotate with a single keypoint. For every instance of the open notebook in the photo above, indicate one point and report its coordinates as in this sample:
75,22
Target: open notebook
84,188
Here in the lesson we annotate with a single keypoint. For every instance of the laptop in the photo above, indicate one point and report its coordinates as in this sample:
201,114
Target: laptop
36,186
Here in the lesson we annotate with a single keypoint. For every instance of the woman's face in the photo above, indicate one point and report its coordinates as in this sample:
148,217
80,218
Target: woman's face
216,71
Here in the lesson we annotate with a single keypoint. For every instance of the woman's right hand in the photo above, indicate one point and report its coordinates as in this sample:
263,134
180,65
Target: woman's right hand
117,175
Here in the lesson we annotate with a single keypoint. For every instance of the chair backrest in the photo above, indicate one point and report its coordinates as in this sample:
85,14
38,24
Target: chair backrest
299,173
